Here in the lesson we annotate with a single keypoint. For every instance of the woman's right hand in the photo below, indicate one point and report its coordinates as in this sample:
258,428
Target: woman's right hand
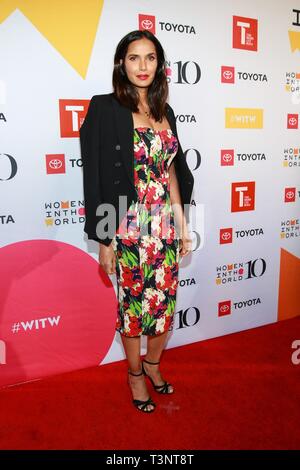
107,258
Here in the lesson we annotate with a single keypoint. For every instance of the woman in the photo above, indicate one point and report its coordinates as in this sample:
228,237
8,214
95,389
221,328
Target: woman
131,135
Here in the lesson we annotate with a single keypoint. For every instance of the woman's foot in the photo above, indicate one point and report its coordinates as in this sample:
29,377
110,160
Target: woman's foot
153,372
139,391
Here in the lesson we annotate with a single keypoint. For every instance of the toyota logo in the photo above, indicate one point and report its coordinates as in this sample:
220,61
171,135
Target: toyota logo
290,194
227,157
224,308
227,75
226,236
147,24
55,164
293,121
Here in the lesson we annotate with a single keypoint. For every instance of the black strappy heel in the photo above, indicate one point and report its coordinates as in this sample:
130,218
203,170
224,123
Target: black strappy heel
164,388
142,405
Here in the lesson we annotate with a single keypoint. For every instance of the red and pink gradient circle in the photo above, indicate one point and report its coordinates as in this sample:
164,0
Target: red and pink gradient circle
57,310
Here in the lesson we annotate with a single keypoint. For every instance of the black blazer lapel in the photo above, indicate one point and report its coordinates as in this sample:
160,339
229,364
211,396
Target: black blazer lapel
124,129
170,119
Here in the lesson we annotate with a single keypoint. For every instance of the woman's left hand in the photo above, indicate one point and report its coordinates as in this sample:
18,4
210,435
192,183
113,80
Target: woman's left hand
185,245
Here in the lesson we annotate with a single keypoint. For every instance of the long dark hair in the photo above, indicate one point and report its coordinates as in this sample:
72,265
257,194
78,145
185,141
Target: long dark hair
125,91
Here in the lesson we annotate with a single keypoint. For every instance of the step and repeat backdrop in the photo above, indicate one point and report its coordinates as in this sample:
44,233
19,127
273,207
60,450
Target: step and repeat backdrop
234,78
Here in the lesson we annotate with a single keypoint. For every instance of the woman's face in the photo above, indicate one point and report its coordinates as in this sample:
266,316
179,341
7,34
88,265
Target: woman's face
141,62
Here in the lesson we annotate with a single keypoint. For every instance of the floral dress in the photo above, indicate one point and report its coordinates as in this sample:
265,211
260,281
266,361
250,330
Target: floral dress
146,243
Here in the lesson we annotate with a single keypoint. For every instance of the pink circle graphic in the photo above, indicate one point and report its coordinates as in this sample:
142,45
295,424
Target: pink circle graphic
57,310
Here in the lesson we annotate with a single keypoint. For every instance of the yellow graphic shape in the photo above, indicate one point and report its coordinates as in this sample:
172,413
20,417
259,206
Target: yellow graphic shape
294,40
288,292
243,118
69,25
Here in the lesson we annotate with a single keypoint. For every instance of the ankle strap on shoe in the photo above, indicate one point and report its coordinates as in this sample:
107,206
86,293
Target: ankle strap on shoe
131,373
148,362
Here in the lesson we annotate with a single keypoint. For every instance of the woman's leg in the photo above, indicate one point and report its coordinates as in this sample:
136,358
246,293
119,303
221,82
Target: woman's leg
132,348
155,347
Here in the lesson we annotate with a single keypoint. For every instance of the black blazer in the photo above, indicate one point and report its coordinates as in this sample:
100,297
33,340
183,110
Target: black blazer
106,141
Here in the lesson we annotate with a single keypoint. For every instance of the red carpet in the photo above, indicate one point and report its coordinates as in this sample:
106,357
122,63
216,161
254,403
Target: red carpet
239,391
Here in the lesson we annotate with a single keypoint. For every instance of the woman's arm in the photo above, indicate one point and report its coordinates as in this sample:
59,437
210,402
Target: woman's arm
180,220
90,143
